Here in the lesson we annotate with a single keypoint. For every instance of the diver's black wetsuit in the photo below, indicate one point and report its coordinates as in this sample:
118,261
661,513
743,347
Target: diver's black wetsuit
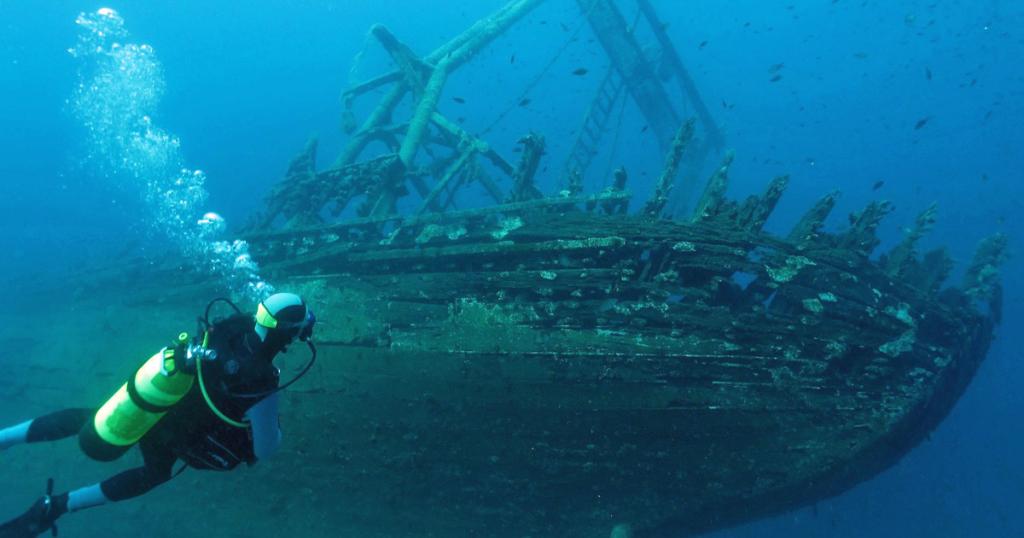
236,380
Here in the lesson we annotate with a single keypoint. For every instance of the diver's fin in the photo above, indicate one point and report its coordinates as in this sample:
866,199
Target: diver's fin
39,518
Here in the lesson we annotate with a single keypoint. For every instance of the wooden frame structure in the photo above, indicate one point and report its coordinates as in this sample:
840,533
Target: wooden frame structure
304,193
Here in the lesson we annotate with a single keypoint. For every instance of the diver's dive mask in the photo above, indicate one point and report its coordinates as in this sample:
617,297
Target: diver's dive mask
287,315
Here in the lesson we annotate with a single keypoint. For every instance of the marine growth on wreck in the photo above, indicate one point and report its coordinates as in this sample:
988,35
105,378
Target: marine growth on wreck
557,362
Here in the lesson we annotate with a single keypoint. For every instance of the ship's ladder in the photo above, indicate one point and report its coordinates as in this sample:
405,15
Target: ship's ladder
595,123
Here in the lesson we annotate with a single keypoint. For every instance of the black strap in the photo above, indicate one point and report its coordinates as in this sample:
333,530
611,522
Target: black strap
137,399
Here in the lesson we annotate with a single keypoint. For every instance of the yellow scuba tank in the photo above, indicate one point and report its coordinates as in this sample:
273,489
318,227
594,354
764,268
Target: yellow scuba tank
139,404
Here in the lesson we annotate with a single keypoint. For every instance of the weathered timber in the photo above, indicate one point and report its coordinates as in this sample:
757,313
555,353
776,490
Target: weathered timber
714,193
284,199
613,206
300,199
575,183
656,204
982,279
898,260
453,171
523,187
290,234
558,366
686,83
931,272
501,354
808,228
455,52
754,212
822,371
861,238
481,146
413,70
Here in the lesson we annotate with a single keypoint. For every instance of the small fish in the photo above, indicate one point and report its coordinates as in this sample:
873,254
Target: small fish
984,178
644,129
565,28
922,122
703,44
927,73
775,68
459,100
512,59
878,185
776,78
525,101
461,119
581,71
860,55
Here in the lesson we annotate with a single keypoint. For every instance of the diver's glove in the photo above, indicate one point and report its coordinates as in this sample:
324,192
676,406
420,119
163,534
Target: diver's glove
39,518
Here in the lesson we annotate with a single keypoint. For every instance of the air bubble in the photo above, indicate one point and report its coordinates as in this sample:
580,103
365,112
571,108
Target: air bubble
121,84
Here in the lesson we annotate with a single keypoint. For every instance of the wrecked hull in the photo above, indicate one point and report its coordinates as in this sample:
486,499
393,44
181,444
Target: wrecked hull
557,366
560,373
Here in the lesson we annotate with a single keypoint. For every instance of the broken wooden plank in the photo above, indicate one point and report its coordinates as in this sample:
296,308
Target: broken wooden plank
482,147
523,187
714,193
861,238
614,206
808,228
931,271
754,213
663,187
278,235
454,170
981,282
897,261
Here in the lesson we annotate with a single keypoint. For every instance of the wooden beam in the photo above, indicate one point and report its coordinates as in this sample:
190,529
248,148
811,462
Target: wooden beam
440,217
809,226
523,187
452,171
658,199
714,193
686,84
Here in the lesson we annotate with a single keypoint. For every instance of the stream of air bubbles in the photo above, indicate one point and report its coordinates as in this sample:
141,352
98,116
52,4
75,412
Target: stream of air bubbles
119,88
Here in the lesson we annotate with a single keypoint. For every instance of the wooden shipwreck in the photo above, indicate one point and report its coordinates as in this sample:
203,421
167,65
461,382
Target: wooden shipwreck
573,363
565,365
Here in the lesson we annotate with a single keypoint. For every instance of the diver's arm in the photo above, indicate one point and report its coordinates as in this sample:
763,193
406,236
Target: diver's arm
266,427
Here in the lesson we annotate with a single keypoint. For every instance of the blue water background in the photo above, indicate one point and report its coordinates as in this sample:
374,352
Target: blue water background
247,83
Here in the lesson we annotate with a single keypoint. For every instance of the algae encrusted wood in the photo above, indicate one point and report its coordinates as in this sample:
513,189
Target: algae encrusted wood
555,342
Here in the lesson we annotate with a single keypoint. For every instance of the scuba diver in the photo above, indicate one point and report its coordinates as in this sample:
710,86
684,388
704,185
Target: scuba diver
210,402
